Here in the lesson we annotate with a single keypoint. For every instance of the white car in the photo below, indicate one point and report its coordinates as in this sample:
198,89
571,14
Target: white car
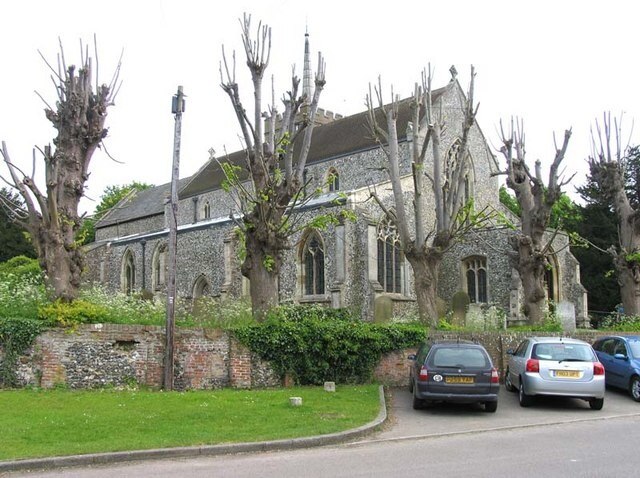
555,366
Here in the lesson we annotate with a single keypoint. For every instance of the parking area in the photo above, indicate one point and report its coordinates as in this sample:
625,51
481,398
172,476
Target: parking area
455,418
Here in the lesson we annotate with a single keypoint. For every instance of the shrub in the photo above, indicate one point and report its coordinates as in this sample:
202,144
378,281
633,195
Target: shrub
22,288
69,314
16,335
315,344
620,323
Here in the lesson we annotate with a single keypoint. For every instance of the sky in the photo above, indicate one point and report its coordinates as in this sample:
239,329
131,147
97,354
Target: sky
556,64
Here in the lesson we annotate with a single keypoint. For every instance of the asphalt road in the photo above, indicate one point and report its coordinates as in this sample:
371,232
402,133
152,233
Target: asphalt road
555,437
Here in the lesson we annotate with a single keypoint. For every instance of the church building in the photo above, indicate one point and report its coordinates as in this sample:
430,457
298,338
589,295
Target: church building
356,264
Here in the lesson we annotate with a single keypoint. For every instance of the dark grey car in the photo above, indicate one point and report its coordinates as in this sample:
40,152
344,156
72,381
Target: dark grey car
453,371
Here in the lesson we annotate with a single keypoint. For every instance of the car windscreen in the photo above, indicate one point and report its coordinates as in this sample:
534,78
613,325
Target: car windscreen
634,345
458,357
562,351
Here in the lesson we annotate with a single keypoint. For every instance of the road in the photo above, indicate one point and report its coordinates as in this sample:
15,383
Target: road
555,438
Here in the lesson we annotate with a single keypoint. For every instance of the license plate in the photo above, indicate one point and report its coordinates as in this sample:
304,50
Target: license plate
458,379
567,373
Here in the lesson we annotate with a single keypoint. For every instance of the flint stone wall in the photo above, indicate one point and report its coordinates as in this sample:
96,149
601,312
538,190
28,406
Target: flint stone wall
95,356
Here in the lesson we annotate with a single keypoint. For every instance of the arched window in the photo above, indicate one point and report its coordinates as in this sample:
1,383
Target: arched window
475,269
389,258
201,288
206,210
159,267
128,274
333,180
313,265
551,279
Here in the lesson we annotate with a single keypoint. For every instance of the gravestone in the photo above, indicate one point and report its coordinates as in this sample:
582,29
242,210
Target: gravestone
383,309
566,312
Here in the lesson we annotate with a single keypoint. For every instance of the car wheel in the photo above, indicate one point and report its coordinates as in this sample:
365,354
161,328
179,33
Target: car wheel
507,382
417,402
596,403
634,388
524,399
490,407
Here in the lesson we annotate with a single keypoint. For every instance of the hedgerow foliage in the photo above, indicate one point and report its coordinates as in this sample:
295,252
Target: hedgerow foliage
16,335
316,344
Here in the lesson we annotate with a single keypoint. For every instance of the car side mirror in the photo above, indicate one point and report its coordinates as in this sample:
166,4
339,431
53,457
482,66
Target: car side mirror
620,356
411,357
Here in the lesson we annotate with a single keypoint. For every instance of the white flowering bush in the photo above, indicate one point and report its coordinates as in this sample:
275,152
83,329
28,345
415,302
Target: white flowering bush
22,288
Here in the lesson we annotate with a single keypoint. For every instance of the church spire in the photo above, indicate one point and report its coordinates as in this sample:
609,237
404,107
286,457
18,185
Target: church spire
307,74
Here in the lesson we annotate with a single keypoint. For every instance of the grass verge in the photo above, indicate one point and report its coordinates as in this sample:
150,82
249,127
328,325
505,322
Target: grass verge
39,423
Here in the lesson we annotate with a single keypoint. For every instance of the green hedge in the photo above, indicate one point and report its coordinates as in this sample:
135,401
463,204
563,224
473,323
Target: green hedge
316,344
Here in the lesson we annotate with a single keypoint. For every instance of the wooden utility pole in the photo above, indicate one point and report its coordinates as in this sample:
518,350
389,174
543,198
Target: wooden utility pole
177,108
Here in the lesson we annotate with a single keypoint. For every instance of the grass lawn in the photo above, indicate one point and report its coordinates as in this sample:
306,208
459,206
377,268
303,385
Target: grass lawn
41,423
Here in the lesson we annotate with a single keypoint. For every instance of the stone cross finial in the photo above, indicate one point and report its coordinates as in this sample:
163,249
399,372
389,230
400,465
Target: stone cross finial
212,154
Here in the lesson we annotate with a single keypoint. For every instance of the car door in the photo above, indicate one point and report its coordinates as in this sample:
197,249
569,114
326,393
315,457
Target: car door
517,362
604,350
619,364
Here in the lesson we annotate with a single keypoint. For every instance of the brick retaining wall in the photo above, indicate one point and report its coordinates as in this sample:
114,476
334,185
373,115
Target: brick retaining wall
118,355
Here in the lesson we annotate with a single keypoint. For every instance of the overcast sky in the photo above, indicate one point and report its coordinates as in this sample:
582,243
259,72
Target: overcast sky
557,64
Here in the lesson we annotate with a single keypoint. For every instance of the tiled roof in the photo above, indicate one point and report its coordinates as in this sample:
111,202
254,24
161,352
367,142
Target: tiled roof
149,202
338,138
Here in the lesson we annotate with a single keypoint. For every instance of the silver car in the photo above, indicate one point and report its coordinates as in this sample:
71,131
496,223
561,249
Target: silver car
555,366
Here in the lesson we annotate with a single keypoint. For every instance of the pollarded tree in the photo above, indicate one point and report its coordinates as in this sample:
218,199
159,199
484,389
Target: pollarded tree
275,165
531,245
51,215
444,180
609,161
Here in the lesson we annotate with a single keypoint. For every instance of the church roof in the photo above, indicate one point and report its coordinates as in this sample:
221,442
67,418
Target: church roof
337,138
140,204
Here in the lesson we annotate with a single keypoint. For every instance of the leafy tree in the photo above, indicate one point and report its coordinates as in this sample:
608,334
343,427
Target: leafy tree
51,214
111,196
565,213
14,240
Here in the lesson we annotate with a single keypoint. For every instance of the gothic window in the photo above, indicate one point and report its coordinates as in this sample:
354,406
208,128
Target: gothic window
551,279
333,180
201,288
313,265
128,275
206,210
389,258
159,267
476,278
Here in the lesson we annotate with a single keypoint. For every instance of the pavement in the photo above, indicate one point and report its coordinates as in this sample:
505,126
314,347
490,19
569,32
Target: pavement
401,423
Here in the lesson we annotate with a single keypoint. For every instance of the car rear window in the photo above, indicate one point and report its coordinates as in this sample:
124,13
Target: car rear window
562,351
458,357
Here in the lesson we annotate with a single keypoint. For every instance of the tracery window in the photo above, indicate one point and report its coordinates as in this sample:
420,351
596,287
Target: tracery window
333,180
476,277
313,265
389,258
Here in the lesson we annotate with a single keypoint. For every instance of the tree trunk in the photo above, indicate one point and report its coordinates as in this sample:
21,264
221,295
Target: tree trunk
262,267
531,267
425,266
63,266
629,280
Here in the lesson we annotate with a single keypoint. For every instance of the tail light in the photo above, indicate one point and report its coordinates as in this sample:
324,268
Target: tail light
495,378
533,365
598,368
424,374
